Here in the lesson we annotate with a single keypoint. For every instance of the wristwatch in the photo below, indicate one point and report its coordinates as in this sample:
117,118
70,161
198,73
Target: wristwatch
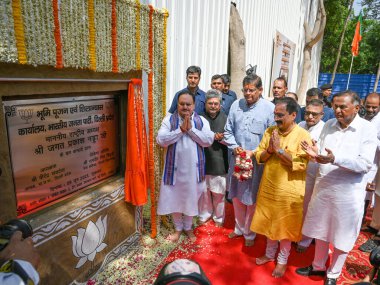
281,151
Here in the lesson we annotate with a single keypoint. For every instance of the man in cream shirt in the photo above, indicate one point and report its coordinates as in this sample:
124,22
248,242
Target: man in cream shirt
313,124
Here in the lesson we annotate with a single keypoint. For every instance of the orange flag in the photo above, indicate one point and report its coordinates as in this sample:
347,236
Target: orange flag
136,181
357,37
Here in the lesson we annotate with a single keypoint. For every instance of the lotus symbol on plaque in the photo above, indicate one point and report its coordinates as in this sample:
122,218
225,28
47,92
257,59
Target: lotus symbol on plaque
89,241
26,114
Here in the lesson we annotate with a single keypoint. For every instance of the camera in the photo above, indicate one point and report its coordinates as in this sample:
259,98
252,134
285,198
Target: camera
9,228
182,272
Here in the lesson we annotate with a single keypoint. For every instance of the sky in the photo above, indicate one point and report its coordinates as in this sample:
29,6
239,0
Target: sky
357,7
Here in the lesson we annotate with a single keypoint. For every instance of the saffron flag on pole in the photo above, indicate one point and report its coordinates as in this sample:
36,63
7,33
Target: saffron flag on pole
357,37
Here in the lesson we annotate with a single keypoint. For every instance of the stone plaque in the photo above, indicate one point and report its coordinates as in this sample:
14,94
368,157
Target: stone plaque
60,145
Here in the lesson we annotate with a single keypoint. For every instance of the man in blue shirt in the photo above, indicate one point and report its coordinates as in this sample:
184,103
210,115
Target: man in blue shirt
193,76
227,99
227,83
315,93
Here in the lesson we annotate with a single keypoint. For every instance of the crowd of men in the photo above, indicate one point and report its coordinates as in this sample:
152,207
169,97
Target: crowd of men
311,167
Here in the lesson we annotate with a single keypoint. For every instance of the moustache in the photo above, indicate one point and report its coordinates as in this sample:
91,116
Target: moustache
278,122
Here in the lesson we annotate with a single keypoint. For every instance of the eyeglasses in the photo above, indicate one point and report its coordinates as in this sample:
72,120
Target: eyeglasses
249,90
307,114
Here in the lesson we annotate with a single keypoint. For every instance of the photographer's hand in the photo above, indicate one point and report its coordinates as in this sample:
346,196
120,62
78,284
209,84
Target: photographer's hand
19,248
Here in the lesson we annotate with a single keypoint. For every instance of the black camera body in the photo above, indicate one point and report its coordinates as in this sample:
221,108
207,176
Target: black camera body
9,228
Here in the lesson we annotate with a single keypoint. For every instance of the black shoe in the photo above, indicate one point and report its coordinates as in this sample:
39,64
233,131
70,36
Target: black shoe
308,271
330,281
369,245
228,199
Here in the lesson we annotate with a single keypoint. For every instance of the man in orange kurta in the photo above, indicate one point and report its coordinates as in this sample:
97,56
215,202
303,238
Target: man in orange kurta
279,206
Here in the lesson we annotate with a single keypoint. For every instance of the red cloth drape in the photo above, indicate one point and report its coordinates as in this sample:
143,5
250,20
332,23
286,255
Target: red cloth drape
136,180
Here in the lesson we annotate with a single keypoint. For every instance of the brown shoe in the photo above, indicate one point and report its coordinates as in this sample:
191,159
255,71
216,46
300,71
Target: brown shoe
219,225
233,235
249,242
190,234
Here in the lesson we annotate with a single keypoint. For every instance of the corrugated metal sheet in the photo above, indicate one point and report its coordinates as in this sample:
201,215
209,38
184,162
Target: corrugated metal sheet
198,35
362,84
261,19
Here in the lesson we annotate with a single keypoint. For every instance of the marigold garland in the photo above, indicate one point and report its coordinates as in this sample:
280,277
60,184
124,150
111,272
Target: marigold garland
158,91
164,60
138,52
151,132
19,31
115,67
57,36
101,35
91,35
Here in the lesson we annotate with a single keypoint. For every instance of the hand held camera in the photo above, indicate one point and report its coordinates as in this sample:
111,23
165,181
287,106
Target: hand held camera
9,228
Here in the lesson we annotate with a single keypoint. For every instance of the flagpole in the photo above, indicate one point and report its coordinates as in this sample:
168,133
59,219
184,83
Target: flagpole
349,74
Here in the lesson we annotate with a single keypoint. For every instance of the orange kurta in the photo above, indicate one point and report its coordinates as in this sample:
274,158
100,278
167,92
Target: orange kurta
279,207
136,171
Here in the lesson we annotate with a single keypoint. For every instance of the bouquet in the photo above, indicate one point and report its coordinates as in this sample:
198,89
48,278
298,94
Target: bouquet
243,167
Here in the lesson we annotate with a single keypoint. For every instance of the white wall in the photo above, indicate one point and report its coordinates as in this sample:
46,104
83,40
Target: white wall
198,35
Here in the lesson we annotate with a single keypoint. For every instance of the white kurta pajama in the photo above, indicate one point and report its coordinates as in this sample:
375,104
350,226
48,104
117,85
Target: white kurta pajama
182,197
311,174
336,207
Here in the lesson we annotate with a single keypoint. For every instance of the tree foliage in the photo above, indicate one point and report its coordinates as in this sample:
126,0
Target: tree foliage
373,8
369,52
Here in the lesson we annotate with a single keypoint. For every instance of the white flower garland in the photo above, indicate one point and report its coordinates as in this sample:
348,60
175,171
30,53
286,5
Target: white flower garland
158,29
8,49
144,37
124,34
103,39
74,33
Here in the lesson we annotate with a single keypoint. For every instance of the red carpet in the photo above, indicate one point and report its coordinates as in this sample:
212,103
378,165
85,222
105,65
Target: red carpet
228,261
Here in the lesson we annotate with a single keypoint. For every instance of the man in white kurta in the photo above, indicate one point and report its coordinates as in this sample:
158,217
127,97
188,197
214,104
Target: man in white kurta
183,185
313,124
346,150
372,106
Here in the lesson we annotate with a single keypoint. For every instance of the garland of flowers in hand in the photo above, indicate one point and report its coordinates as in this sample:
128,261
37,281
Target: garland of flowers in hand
91,35
7,35
243,166
19,31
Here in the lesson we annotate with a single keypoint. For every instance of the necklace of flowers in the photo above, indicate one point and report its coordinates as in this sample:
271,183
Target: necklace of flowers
243,166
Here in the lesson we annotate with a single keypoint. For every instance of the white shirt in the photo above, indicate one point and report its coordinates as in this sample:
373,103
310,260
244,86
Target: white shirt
14,279
336,207
183,196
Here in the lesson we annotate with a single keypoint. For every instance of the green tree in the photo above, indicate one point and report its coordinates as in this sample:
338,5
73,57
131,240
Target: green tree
373,8
369,52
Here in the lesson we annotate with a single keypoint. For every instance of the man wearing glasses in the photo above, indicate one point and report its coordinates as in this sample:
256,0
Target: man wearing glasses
211,203
314,125
247,121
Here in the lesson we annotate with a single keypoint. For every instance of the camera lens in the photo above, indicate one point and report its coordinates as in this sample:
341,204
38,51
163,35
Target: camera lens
22,226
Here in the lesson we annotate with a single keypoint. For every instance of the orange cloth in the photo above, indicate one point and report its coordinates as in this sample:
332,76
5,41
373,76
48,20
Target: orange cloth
136,180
